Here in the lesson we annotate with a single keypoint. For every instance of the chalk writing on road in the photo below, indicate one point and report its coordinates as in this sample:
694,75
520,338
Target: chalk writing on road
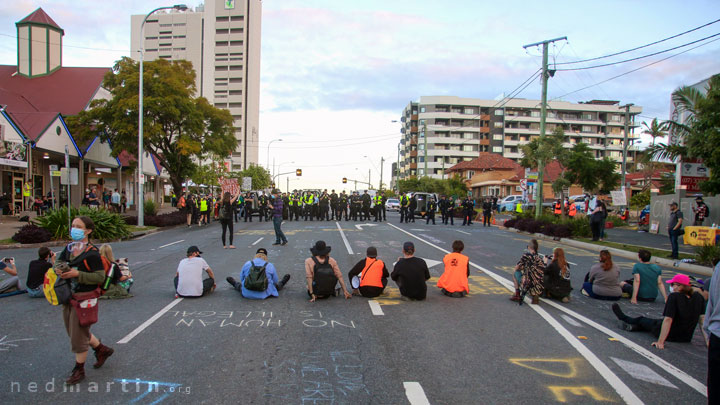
565,368
256,319
5,344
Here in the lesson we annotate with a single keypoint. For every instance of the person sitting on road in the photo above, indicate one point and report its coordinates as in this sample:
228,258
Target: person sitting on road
188,278
556,277
602,282
369,276
454,280
115,290
410,274
36,272
11,283
322,273
646,281
528,274
683,310
258,278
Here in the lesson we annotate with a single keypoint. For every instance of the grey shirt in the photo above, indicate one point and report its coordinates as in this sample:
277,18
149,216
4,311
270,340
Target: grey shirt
712,312
605,283
674,217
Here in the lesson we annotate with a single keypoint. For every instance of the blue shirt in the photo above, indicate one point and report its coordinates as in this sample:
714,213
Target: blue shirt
271,276
712,312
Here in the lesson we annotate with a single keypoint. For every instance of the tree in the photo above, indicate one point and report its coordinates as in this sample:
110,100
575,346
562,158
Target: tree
594,175
452,186
260,176
655,129
544,150
209,172
178,128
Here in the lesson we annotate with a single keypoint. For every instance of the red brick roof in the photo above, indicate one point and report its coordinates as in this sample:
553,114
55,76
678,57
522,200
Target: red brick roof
33,124
40,17
486,161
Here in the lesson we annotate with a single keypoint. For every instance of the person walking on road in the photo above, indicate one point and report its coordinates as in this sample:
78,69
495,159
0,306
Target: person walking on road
280,238
711,327
454,280
369,276
256,268
226,217
675,225
410,274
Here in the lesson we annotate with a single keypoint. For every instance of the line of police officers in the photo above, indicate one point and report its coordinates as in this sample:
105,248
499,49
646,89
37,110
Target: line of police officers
329,207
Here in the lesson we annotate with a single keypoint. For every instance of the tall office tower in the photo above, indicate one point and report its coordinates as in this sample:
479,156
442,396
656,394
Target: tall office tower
222,40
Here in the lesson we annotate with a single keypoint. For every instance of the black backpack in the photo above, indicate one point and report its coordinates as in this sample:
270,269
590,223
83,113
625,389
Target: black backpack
256,280
324,279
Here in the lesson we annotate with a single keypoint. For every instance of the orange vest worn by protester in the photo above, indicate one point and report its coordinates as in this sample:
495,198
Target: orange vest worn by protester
455,279
558,208
572,210
371,275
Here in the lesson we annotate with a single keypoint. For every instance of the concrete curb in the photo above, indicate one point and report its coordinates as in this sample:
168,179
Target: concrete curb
56,243
693,268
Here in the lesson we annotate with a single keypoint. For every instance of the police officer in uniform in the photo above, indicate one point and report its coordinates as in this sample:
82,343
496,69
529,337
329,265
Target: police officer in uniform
404,203
286,206
262,206
308,204
366,203
411,209
384,209
248,207
468,211
430,211
355,206
449,210
324,213
333,205
344,202
378,207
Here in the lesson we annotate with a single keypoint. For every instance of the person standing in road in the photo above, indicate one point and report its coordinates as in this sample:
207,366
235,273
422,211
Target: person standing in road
383,207
431,208
411,208
711,327
378,200
410,274
366,203
701,212
334,205
371,275
468,211
262,206
442,206
248,207
404,204
675,228
454,280
450,208
280,238
597,220
226,217
487,211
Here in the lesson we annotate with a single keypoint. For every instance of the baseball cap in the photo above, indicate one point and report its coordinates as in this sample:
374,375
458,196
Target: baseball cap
193,249
408,246
262,250
673,203
372,252
680,279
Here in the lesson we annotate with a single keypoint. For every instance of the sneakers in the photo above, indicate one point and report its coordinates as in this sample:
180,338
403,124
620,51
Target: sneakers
284,243
515,297
78,374
102,353
625,326
276,244
565,300
284,280
231,281
585,293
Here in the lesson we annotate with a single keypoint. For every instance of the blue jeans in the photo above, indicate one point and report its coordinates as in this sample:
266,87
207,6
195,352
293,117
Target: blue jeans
587,286
279,235
674,242
36,293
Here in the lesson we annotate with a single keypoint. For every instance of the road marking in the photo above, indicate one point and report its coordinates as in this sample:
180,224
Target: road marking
466,233
613,380
662,364
415,393
571,321
643,373
170,244
359,226
149,321
257,241
574,264
418,230
375,308
342,234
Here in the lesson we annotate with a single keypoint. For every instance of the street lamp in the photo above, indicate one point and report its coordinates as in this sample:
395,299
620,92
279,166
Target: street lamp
268,152
141,179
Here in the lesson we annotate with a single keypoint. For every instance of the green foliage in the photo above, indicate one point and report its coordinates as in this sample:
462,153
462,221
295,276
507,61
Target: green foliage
640,200
453,186
32,233
260,177
616,221
655,129
108,225
708,254
667,184
209,173
579,226
149,207
597,176
177,125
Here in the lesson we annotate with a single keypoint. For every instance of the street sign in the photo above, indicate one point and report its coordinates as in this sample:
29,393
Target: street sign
69,176
141,179
54,168
247,183
55,173
618,197
523,184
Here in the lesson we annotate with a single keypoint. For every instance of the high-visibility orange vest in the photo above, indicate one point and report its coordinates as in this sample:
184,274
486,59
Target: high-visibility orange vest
455,278
572,210
558,208
371,276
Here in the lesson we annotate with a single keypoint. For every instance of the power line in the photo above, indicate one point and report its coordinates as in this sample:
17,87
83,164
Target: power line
641,57
640,47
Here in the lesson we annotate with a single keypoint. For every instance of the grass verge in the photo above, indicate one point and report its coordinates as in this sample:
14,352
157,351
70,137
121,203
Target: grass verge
633,248
135,228
8,241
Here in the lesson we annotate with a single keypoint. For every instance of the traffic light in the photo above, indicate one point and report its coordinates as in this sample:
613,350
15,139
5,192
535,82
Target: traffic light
344,180
298,172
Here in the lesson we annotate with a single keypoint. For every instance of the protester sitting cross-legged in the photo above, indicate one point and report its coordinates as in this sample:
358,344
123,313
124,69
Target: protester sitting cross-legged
646,281
189,280
410,274
369,276
683,310
602,282
36,272
9,280
114,289
528,274
258,278
322,273
454,280
556,277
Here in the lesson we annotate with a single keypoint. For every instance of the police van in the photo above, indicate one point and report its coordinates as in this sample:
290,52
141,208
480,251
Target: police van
422,199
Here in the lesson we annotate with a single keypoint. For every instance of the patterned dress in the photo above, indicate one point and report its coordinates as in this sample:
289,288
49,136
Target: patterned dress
532,267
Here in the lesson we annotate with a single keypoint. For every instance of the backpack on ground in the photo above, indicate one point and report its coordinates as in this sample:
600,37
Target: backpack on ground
256,279
324,279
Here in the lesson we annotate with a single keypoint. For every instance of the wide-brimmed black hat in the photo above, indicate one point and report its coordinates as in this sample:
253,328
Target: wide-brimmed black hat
320,249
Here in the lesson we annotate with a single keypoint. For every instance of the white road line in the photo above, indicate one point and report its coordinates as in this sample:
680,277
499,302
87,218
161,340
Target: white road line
466,233
375,308
170,244
571,321
257,241
415,393
149,321
342,234
643,373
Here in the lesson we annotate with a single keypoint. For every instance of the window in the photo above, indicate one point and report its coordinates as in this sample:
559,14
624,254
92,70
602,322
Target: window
470,173
221,43
178,36
179,24
236,80
236,43
235,92
150,38
178,49
221,105
497,149
468,135
588,117
497,137
221,19
236,67
235,105
236,30
469,110
237,18
165,25
221,68
498,124
222,31
535,113
588,128
422,109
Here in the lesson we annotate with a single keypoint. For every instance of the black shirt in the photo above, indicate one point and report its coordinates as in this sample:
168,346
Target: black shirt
685,312
410,275
89,261
36,273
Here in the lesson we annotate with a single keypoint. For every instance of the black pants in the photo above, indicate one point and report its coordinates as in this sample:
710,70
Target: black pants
448,215
227,223
713,381
486,218
643,324
404,215
596,228
208,283
248,215
430,216
410,215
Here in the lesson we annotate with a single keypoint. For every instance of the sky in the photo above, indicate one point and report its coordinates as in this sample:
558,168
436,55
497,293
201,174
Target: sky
336,74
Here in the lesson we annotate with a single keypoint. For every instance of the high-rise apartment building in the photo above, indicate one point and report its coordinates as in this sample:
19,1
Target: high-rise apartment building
458,129
222,40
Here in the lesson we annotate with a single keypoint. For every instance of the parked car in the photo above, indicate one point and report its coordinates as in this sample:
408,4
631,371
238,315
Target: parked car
392,204
508,203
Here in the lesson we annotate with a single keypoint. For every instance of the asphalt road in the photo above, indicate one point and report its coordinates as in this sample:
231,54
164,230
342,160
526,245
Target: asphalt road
482,349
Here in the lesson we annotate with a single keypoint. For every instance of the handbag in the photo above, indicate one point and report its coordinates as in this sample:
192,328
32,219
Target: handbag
86,306
680,232
57,291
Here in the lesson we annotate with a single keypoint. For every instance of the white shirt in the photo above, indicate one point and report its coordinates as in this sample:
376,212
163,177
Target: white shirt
115,198
190,276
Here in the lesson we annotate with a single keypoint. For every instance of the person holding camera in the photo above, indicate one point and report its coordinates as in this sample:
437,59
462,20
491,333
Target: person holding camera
36,272
9,280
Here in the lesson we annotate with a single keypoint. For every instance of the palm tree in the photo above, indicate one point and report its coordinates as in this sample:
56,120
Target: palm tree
685,100
655,129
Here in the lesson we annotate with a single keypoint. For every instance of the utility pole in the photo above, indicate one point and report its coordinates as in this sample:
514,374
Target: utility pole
382,161
397,169
543,117
625,144
425,148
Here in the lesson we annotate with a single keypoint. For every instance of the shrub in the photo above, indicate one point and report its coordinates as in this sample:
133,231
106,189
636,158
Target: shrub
510,223
108,225
616,221
32,233
708,254
150,208
169,219
535,226
578,226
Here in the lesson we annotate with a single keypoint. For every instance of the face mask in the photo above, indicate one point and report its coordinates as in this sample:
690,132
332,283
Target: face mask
77,234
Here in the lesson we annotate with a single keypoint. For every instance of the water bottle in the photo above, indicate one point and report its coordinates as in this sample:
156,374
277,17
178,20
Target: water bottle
108,278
